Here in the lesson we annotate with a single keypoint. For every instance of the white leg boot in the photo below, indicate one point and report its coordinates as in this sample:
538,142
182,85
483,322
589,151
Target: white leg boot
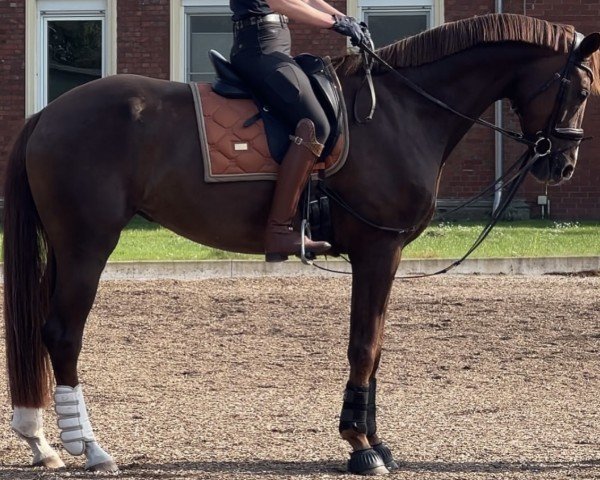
76,431
28,423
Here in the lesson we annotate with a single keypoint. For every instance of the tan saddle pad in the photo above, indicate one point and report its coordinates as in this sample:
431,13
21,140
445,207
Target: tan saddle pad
234,153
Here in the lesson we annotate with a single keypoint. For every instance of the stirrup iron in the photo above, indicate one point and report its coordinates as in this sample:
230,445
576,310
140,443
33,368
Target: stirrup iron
306,257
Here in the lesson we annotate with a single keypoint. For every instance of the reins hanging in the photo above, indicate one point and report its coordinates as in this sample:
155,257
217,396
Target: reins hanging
416,88
368,80
540,147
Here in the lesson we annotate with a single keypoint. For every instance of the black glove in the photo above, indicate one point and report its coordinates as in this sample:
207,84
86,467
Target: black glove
367,34
350,27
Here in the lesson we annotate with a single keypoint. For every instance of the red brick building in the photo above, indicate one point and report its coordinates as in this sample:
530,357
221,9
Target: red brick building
48,46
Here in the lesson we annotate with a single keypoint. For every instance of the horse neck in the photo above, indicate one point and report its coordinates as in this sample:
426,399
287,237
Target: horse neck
469,81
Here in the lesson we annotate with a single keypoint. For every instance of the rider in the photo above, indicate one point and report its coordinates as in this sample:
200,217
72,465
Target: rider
261,55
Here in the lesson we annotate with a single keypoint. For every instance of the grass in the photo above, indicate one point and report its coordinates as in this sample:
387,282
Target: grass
143,240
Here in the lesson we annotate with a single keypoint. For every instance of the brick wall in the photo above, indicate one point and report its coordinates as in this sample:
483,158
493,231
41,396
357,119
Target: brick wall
12,74
143,37
143,48
318,41
471,165
580,197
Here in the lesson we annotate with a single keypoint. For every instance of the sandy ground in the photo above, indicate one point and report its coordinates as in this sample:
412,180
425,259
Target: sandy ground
482,377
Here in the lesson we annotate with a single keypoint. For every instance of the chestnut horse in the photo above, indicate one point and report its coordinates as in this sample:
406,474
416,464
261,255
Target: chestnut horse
125,145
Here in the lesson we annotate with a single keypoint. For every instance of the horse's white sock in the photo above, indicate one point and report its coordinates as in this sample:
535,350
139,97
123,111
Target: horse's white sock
28,423
76,431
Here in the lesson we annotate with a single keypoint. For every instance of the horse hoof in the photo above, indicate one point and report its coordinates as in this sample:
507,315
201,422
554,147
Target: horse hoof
52,462
109,466
366,462
386,455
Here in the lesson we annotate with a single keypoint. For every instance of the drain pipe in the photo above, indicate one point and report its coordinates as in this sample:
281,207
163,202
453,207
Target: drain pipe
498,145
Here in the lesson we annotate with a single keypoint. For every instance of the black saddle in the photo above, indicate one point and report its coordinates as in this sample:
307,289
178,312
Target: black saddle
230,85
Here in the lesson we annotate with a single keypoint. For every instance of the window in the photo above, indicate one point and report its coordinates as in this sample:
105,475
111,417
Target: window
72,53
206,29
393,20
69,43
390,25
198,26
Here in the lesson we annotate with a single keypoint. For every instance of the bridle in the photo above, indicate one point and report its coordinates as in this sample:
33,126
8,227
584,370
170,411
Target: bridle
539,145
541,142
573,135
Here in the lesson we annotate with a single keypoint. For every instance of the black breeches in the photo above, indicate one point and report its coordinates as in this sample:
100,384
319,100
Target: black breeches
261,55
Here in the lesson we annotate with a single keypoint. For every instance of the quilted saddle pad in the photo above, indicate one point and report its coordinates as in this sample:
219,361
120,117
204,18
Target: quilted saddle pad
232,152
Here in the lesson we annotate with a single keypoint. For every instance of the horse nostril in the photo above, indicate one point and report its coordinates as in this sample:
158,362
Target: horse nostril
567,172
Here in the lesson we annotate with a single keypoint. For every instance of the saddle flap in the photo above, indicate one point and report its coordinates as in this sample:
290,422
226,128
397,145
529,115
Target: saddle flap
324,81
310,64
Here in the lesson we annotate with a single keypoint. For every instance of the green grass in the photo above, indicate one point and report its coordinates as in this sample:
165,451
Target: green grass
146,241
536,238
143,240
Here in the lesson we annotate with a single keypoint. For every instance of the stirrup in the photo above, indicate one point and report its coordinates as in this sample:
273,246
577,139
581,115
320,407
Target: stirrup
306,257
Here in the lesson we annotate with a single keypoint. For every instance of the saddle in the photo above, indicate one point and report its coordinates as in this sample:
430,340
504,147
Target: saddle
242,140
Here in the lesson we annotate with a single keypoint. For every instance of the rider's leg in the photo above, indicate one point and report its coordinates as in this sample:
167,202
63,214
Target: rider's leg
280,238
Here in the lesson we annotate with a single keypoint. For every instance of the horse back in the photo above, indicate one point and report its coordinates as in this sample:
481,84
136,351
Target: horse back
127,144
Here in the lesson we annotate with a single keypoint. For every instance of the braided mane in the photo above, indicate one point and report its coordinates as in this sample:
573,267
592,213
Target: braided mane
454,37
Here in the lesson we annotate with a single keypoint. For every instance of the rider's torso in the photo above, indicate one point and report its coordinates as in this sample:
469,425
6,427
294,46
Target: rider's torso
261,39
246,8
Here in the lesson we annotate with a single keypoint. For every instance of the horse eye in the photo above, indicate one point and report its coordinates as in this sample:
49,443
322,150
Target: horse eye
584,93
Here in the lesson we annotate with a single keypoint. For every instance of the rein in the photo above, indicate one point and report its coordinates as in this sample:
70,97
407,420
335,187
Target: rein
537,148
519,137
513,185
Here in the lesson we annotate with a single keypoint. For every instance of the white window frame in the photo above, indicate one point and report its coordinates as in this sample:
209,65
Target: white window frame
180,9
356,8
38,13
42,83
195,10
396,11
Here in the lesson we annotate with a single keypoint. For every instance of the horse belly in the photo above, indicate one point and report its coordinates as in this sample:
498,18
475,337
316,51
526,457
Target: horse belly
228,216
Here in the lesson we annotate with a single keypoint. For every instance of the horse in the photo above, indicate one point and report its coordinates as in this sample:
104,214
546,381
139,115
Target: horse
124,145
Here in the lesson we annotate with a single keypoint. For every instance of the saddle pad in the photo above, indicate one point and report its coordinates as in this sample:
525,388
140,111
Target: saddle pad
234,153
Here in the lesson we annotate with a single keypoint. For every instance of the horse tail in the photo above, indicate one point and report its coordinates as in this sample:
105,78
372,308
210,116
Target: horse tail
28,278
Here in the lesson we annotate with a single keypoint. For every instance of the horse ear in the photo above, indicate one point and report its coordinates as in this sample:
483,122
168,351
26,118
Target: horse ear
589,45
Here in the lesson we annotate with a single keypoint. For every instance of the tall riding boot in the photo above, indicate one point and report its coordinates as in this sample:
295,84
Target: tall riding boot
280,239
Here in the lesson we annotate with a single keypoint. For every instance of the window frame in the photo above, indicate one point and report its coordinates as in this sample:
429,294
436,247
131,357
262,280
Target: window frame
398,11
356,8
37,13
189,11
179,53
46,17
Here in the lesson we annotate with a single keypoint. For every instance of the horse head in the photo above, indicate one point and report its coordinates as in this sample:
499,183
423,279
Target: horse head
551,114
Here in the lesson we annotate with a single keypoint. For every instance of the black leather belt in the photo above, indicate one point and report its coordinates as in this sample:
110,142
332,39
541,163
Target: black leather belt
259,20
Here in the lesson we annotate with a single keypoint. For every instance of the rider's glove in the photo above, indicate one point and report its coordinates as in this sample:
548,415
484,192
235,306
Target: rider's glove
367,34
350,27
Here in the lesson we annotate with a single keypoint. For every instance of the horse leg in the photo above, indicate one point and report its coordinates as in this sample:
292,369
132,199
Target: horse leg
28,424
77,275
373,274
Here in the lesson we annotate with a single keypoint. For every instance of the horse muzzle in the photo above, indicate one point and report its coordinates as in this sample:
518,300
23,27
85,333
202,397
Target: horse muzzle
557,155
555,168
